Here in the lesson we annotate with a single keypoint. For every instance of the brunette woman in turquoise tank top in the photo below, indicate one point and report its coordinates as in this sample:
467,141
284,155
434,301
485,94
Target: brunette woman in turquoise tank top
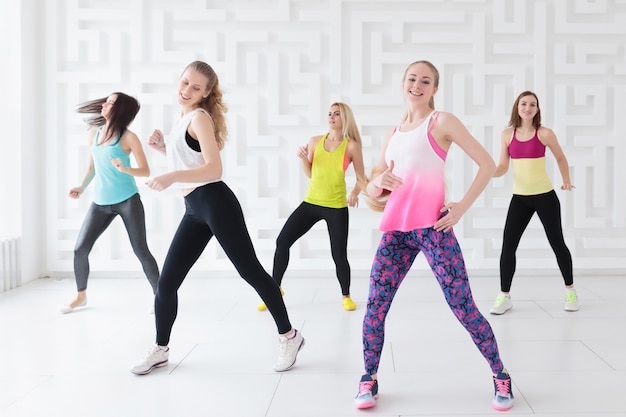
524,143
325,160
111,144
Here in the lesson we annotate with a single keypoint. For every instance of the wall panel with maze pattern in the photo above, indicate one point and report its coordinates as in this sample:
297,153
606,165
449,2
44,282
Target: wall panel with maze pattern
282,63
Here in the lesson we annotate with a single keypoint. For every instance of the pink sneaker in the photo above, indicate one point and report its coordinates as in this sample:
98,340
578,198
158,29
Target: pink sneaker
503,398
368,393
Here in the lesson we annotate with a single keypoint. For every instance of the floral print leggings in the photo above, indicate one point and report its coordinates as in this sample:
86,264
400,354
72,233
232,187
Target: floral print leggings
394,257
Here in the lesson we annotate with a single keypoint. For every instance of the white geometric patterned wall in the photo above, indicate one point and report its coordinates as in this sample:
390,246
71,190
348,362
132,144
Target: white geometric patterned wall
282,62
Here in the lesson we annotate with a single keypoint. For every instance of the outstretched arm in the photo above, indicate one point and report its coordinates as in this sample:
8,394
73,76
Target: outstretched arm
503,164
90,171
355,153
548,137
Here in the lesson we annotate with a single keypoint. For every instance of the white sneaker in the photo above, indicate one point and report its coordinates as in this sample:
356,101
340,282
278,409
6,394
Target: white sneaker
156,357
67,308
288,351
571,300
502,304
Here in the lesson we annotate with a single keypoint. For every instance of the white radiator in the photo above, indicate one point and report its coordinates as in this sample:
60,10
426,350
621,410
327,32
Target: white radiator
10,271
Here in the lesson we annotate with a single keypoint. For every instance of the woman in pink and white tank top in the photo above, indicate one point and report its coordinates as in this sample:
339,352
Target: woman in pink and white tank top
409,180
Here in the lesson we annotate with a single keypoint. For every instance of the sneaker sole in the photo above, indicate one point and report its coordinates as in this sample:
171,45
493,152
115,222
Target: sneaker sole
294,359
146,372
498,313
367,404
498,408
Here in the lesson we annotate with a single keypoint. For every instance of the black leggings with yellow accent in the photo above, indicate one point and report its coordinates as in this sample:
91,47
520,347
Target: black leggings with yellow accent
301,221
212,210
521,210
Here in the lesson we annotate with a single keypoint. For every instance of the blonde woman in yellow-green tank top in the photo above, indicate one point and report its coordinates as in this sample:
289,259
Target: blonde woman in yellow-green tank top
325,160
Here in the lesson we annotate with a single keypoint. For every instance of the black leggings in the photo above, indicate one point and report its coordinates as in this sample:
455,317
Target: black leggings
212,210
521,210
300,222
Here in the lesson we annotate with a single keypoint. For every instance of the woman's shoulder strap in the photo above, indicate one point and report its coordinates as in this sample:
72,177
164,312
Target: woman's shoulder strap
433,120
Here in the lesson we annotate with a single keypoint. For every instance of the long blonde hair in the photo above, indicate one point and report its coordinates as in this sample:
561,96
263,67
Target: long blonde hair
349,129
213,103
376,203
348,123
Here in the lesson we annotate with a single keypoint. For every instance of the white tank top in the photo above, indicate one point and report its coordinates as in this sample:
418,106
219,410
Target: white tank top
179,155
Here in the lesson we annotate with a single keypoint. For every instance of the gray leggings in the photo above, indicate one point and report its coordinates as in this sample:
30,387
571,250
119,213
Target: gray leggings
96,221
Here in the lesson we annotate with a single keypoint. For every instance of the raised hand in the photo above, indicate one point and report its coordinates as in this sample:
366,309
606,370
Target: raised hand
156,140
388,180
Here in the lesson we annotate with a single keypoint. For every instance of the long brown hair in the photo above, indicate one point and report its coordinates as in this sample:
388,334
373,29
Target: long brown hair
122,113
213,103
516,120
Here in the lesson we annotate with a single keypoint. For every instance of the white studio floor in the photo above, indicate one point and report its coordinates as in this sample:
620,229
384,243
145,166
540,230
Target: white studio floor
223,351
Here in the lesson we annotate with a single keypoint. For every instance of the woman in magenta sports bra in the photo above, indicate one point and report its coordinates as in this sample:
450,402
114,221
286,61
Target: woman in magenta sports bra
418,218
524,144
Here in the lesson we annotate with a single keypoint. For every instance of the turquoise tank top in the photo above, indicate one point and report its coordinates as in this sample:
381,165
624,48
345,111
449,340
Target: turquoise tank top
112,186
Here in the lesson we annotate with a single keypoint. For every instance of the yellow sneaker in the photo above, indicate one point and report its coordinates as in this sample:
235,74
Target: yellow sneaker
263,307
348,304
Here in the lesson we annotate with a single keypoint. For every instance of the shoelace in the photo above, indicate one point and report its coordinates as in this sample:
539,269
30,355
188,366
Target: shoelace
500,300
503,386
365,387
571,297
285,345
152,351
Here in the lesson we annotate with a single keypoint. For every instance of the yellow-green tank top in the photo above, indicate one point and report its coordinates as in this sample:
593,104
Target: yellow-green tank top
327,187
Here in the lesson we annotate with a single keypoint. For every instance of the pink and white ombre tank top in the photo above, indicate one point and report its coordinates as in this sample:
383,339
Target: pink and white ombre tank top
420,162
